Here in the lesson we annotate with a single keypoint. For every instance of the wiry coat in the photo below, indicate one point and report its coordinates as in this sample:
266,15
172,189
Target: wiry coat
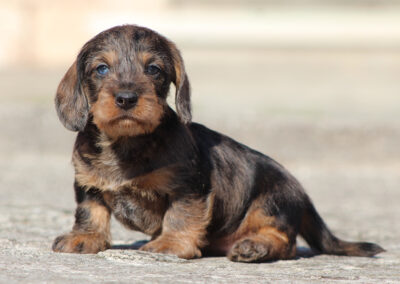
193,190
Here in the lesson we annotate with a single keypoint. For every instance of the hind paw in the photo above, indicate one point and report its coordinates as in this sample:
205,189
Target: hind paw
248,250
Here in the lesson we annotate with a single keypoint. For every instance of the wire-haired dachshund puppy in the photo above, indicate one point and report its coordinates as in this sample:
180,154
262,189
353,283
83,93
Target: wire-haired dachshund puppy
193,190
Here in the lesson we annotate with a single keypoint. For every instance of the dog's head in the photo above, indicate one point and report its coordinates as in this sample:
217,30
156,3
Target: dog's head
121,78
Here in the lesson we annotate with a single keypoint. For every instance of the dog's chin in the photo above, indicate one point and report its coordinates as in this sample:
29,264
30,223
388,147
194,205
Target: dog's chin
125,126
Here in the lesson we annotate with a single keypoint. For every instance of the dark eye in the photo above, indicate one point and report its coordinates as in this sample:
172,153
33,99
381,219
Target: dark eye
152,69
102,69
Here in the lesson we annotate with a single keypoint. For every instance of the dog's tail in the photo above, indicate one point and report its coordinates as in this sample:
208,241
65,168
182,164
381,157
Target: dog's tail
320,238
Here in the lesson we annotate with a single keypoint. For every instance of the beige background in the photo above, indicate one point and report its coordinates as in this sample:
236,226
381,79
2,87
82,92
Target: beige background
312,83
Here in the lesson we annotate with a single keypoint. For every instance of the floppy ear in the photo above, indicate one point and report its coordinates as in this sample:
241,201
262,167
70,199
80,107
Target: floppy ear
181,81
71,103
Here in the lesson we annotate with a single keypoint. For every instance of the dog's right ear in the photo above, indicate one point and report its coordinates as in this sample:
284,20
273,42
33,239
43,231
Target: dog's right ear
71,102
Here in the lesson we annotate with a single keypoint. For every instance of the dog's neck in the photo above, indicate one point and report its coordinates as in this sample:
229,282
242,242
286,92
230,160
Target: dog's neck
166,142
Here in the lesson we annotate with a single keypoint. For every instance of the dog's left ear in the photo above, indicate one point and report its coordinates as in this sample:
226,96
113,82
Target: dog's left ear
71,102
181,81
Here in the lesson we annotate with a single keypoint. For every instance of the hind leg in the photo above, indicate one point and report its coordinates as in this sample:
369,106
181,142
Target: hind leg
259,239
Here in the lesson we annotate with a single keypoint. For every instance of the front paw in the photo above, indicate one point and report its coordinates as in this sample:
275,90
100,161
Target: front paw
181,250
80,243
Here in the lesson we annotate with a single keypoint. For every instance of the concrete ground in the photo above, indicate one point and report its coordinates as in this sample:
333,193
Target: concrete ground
330,116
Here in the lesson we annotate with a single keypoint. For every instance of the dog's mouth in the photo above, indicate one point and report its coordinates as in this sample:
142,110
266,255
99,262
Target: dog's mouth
125,118
122,117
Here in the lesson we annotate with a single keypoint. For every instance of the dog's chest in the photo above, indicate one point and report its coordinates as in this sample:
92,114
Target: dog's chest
139,202
137,212
105,172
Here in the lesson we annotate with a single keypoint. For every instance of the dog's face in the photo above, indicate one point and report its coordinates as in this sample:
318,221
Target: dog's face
121,78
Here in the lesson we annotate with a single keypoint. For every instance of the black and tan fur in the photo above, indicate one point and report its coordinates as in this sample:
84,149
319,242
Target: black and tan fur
193,190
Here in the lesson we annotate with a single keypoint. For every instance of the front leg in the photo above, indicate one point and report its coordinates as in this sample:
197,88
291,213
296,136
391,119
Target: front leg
91,231
184,227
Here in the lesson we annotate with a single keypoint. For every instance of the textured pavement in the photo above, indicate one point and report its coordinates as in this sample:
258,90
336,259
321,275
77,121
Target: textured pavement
340,139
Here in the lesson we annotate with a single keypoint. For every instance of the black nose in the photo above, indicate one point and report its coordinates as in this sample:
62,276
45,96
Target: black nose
126,100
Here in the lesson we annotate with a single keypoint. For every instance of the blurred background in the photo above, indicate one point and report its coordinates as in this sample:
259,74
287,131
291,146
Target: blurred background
312,83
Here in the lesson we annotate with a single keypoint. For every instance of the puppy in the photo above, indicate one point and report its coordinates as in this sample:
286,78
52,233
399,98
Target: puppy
193,190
